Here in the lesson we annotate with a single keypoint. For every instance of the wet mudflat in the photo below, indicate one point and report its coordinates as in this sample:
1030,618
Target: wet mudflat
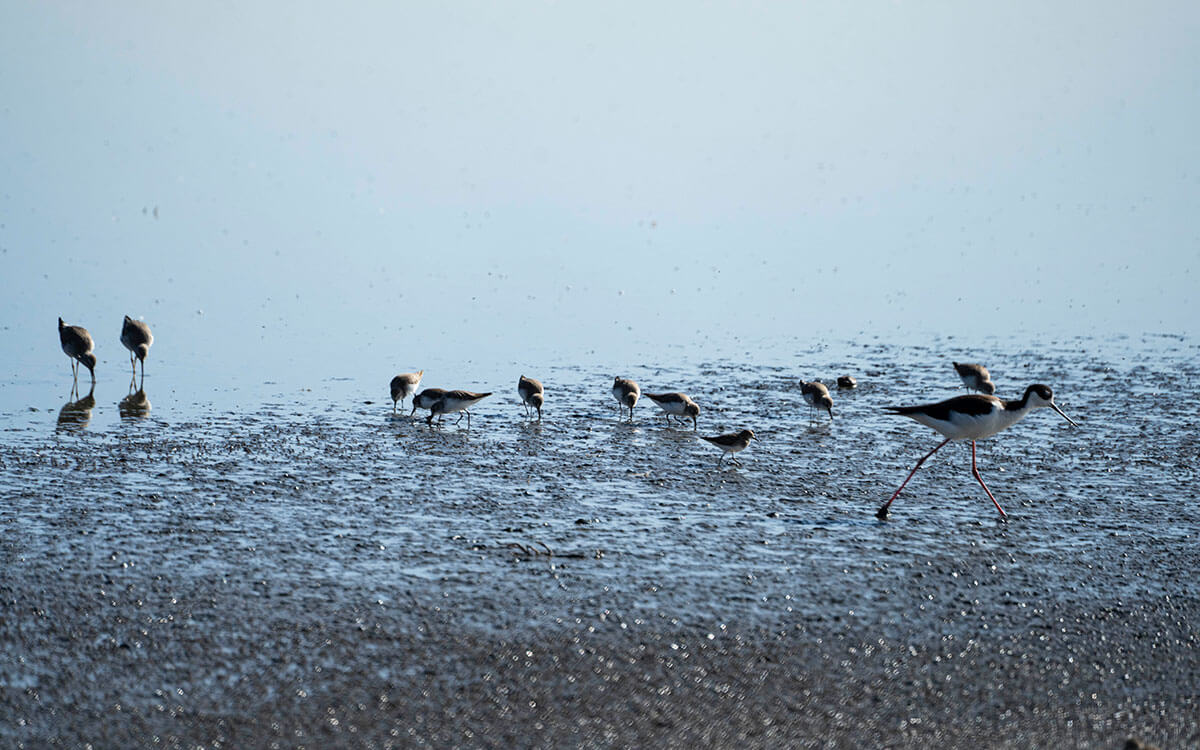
317,572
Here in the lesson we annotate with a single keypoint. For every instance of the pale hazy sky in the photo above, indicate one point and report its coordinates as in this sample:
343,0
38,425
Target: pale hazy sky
699,169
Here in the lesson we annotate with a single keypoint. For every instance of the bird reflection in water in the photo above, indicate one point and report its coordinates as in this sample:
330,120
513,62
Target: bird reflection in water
75,415
135,405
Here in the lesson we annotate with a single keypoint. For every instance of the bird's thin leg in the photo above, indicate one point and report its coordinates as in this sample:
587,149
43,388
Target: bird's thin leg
883,511
393,406
460,416
468,418
719,460
975,471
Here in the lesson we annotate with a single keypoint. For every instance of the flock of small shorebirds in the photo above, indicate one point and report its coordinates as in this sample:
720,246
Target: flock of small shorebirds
971,417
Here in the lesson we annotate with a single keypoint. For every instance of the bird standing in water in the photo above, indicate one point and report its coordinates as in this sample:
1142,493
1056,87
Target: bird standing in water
136,337
77,344
973,417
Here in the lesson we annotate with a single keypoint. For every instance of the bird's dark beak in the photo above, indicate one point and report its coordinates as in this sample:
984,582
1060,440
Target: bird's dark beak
1062,414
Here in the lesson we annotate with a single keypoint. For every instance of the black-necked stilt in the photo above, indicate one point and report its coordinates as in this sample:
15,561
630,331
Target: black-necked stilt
452,401
676,405
733,442
846,382
136,337
404,385
426,399
532,394
973,417
975,377
77,344
817,396
626,392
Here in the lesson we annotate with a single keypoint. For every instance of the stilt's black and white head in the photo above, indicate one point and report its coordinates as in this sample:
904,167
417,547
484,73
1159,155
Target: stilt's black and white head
536,400
1038,396
692,409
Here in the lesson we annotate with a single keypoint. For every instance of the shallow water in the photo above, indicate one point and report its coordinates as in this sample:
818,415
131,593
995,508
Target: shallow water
326,485
213,519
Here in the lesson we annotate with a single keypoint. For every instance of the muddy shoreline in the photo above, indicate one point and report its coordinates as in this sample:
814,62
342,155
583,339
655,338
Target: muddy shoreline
324,575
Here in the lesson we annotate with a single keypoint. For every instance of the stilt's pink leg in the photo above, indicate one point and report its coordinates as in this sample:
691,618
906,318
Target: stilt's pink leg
975,471
882,512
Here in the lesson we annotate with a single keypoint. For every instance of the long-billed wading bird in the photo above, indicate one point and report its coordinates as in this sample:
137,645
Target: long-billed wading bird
532,394
973,417
676,405
626,392
77,344
817,396
136,337
732,442
404,385
452,401
975,377
426,399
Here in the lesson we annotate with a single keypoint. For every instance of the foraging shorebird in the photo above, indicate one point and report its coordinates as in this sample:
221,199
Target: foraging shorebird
733,442
77,344
975,377
452,401
532,394
846,382
817,396
626,392
136,337
405,385
676,405
426,399
973,417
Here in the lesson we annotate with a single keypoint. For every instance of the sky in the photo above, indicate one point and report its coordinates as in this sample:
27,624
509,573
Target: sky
551,174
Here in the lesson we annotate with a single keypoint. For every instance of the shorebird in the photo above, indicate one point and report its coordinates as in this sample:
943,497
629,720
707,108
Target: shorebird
136,337
532,394
405,385
676,405
975,377
817,396
733,442
426,399
77,344
626,392
452,401
973,417
846,382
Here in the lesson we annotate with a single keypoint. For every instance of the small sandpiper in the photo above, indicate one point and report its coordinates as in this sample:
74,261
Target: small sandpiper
817,396
733,442
136,337
973,417
676,405
847,382
77,344
532,394
626,392
404,385
426,399
452,401
975,377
